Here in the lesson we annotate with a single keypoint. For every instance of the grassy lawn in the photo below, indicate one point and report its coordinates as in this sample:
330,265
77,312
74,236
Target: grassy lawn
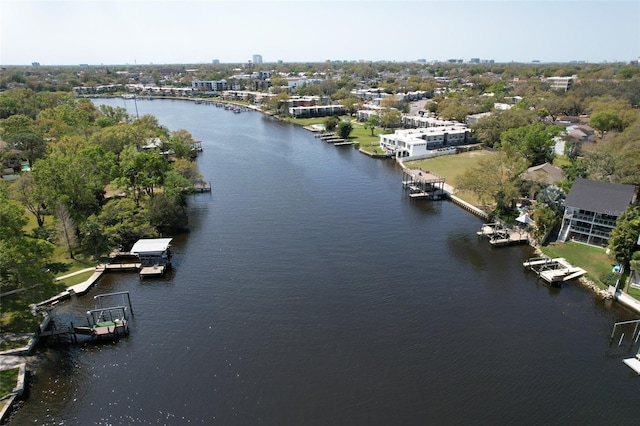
450,166
8,380
594,260
359,134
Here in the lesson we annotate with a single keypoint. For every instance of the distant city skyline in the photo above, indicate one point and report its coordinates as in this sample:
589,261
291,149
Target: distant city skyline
114,32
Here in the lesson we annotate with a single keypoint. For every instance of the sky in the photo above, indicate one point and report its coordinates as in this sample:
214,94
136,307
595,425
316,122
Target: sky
109,32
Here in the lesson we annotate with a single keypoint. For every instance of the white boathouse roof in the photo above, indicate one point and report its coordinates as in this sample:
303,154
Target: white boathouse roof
151,246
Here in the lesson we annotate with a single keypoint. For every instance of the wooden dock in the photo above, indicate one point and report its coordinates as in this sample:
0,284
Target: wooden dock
553,271
502,235
202,187
423,185
154,270
114,267
509,237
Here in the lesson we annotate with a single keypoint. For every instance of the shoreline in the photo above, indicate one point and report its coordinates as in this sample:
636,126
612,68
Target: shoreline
585,282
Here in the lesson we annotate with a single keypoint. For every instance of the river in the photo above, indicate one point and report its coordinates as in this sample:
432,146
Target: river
311,290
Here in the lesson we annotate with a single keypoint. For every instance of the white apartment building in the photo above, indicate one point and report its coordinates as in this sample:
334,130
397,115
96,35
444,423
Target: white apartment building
562,83
414,144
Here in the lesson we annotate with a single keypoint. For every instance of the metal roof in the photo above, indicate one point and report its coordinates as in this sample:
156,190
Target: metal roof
151,245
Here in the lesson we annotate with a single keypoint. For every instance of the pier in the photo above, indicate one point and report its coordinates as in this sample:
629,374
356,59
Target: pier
202,187
422,184
153,270
501,235
553,271
109,322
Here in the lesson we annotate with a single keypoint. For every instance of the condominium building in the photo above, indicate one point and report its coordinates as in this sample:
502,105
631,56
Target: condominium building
413,144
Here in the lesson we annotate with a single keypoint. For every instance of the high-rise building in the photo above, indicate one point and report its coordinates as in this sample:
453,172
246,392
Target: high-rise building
257,59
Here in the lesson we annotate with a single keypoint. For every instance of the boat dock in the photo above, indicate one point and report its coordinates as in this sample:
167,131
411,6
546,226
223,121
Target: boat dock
502,235
422,184
330,137
153,270
202,187
553,271
109,322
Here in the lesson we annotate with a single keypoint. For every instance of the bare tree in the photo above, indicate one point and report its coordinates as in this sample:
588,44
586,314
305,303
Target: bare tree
66,227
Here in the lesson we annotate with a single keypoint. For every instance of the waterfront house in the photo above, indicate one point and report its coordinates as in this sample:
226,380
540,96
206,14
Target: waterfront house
414,144
591,210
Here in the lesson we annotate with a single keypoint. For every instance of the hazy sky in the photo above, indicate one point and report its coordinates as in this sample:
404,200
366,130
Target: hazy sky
187,31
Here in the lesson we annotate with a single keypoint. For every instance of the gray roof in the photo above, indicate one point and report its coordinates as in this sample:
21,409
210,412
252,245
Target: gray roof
545,173
601,197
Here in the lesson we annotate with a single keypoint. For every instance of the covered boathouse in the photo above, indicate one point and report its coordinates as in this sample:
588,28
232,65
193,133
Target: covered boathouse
154,255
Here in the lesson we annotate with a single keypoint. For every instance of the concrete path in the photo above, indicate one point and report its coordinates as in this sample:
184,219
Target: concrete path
81,271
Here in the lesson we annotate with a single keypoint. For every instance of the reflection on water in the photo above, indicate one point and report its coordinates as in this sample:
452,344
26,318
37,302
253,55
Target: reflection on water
311,290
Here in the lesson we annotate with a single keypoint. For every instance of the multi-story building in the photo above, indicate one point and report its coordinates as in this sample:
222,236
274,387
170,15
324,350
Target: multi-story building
562,83
413,144
316,111
591,210
209,85
257,59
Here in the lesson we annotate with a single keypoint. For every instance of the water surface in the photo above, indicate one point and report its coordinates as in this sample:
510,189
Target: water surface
311,290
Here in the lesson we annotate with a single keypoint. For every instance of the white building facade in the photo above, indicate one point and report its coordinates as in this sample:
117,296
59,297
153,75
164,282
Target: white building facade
426,142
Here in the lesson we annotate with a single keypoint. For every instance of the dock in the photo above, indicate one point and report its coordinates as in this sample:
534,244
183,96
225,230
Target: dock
500,234
103,322
423,184
202,187
553,271
151,271
633,363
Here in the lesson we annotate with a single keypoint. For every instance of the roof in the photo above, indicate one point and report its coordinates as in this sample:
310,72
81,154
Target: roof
545,173
151,245
601,197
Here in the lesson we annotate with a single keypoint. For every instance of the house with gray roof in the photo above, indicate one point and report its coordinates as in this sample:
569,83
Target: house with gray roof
591,210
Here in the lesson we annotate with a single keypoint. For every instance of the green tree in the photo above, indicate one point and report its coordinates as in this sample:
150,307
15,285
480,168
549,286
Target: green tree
181,141
115,138
16,124
30,143
495,180
142,172
489,128
124,223
344,129
31,196
624,237
167,212
115,114
75,172
535,142
330,123
605,121
545,219
93,238
22,258
372,122
391,118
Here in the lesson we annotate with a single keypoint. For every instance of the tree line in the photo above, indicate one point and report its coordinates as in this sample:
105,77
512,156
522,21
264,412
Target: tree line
95,179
